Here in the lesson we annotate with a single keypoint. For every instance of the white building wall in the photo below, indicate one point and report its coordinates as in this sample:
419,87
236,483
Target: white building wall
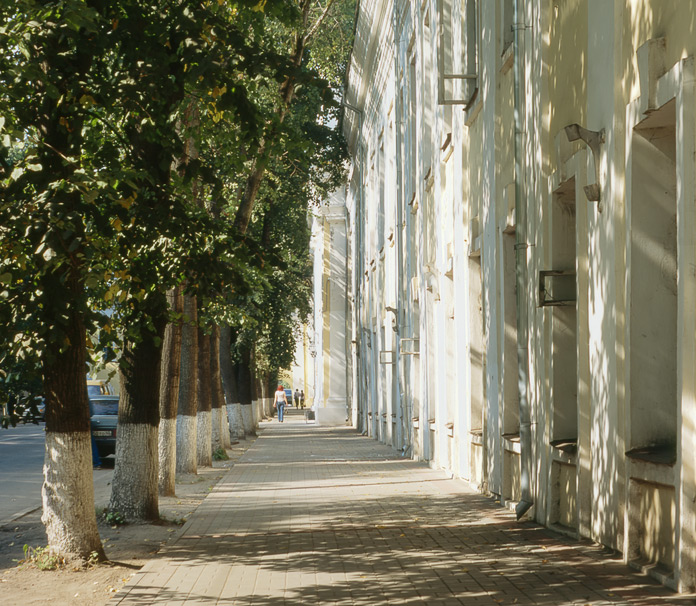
431,235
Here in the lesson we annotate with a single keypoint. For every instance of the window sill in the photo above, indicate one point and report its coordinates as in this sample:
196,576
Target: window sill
658,454
567,445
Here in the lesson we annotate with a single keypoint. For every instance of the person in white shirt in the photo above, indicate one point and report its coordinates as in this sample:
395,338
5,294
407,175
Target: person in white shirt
279,402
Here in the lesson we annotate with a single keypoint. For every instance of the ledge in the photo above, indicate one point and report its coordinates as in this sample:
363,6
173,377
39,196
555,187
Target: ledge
476,437
658,454
567,445
511,442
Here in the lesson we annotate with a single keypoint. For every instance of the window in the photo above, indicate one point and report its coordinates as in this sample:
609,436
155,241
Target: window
458,63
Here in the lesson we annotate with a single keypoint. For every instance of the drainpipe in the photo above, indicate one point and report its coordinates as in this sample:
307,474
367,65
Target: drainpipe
521,246
358,270
400,287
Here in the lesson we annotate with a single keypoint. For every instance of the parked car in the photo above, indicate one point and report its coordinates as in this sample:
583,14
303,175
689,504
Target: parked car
103,410
288,395
35,410
98,387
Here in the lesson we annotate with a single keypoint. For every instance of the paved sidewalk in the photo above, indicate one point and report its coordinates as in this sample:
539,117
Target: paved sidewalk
318,516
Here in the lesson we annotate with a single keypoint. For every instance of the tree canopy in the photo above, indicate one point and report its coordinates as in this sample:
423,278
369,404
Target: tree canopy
104,205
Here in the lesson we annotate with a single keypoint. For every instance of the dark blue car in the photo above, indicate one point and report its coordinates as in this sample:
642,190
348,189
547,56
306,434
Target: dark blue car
103,412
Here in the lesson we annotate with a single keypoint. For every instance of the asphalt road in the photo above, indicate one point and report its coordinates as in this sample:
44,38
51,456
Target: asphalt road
21,469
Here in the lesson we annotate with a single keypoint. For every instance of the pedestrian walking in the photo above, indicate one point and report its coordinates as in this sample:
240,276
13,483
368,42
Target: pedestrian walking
302,399
296,398
279,402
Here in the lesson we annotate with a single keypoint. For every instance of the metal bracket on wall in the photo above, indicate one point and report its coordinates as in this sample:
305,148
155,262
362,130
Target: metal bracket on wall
415,351
563,284
386,356
593,139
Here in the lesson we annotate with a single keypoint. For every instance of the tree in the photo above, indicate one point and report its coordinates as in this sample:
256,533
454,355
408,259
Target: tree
297,142
169,395
221,431
96,225
301,35
49,242
186,429
205,404
191,50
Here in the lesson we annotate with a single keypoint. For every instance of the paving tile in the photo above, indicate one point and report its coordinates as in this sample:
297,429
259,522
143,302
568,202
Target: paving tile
312,515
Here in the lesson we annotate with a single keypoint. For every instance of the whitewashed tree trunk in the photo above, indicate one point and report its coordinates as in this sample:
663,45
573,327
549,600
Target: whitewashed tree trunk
216,427
221,432
134,489
68,495
136,444
204,449
186,426
68,490
169,395
248,419
224,428
186,449
235,420
166,450
205,404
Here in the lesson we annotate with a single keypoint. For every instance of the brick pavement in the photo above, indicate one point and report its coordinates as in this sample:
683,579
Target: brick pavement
313,515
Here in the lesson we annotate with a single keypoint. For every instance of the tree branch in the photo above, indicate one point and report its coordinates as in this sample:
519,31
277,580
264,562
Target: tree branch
317,24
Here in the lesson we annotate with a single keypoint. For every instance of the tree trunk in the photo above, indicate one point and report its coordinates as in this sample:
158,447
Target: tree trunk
229,373
221,432
186,430
68,490
245,385
134,491
204,447
169,395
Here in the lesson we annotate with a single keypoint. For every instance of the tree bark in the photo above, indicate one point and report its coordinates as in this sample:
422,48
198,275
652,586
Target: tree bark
68,491
169,395
134,491
229,373
245,385
204,439
221,432
186,431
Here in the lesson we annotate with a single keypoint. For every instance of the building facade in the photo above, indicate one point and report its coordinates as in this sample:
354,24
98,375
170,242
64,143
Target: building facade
328,343
521,282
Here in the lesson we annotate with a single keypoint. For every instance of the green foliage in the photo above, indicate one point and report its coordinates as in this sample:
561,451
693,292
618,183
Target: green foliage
220,455
127,131
42,558
114,518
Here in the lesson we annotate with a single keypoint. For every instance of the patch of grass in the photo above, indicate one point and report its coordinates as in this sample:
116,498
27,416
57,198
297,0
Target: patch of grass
220,455
114,518
42,558
92,560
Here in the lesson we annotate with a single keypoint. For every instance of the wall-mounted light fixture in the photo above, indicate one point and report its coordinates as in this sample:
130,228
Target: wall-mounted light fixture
593,139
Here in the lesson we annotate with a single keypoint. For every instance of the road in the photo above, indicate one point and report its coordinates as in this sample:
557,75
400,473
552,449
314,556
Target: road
21,470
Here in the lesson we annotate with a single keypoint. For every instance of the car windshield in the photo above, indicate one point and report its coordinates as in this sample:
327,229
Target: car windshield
103,406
